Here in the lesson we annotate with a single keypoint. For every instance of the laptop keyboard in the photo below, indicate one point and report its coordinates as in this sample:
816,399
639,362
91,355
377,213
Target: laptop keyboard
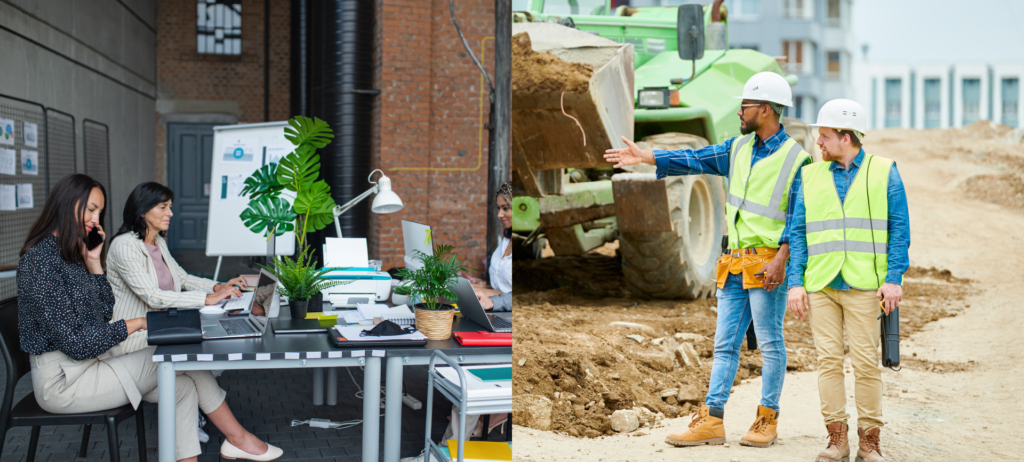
237,326
498,322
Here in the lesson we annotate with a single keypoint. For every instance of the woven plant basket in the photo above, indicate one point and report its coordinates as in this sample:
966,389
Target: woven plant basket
435,324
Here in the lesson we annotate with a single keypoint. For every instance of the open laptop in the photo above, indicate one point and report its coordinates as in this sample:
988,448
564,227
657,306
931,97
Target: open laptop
250,326
470,307
416,236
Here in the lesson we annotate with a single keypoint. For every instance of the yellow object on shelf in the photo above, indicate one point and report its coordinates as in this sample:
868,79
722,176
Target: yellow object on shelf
481,450
314,315
328,320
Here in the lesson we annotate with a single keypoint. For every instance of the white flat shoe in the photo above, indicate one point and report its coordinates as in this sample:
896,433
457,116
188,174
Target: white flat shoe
229,451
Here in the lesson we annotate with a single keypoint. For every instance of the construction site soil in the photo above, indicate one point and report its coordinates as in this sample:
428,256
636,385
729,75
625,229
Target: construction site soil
543,72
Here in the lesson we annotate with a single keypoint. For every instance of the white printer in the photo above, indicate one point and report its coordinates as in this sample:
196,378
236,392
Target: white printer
347,258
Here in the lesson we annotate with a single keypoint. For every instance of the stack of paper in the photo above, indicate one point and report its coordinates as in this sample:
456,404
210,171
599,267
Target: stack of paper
352,334
363,314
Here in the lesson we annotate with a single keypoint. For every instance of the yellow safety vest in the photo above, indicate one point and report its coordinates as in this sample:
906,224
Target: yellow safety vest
850,236
759,194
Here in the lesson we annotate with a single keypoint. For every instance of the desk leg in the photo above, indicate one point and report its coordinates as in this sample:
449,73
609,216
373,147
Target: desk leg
166,404
318,386
393,410
371,409
332,386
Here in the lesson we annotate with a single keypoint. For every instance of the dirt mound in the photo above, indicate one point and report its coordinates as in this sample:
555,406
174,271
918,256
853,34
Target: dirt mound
1006,189
543,72
984,129
581,353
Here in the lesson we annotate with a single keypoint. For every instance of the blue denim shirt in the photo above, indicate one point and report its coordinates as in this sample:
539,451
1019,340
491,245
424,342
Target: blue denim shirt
899,227
714,160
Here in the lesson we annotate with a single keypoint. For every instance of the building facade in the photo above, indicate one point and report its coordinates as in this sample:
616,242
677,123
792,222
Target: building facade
811,39
940,95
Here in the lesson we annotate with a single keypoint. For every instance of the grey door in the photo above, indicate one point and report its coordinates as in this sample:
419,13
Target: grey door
190,157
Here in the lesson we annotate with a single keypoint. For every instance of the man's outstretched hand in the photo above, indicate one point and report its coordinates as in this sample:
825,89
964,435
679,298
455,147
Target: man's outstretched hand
630,155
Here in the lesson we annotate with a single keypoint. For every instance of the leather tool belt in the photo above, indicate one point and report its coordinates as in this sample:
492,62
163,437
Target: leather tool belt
750,262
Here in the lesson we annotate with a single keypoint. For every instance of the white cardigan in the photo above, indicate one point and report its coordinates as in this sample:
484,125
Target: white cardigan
136,289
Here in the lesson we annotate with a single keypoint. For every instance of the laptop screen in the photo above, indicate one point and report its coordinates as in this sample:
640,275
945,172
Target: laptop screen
262,297
416,236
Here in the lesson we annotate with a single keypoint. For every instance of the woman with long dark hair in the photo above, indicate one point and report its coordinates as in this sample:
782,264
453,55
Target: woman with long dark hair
65,306
142,272
497,295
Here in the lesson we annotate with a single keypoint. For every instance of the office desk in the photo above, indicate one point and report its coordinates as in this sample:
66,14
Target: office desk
301,350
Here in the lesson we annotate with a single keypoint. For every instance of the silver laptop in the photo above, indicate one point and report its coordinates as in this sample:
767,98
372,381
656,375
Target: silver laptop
471,309
251,326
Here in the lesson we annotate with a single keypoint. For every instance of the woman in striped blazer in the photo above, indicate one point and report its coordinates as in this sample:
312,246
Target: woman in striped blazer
142,272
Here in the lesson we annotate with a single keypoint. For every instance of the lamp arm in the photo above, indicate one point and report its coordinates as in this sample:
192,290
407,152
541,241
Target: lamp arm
340,209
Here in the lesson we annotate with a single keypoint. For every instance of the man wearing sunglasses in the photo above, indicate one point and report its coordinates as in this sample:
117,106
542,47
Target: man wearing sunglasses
763,167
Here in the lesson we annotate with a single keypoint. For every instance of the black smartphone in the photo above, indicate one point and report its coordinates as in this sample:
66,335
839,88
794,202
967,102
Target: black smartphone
93,240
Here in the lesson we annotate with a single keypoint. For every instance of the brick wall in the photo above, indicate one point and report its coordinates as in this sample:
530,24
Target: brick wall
429,117
184,74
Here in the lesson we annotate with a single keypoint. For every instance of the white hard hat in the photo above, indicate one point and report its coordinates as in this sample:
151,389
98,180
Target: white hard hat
843,114
768,86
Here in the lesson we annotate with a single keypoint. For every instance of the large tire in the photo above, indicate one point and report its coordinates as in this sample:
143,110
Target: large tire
680,263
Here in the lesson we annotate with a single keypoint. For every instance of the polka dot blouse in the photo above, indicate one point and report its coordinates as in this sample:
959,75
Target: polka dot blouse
61,306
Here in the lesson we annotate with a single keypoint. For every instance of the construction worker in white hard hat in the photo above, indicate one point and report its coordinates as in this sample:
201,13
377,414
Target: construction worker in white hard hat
763,167
849,240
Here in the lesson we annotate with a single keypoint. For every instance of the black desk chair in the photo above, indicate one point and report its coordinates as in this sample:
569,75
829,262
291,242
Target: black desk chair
27,412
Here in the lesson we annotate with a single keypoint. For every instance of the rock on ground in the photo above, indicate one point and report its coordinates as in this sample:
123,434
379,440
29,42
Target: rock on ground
625,421
532,411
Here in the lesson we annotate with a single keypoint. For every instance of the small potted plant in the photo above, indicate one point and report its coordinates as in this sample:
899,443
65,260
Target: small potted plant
301,282
400,296
432,285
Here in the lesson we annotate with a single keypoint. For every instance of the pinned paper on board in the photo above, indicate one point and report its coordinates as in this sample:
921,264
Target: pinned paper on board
8,197
427,240
25,196
6,131
238,152
275,154
8,161
29,162
231,186
31,134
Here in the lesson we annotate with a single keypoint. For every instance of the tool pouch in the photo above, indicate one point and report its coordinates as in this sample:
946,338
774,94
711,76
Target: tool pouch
891,339
752,265
723,270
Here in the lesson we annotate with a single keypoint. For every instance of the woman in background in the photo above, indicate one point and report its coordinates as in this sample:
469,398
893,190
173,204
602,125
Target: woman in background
65,306
498,295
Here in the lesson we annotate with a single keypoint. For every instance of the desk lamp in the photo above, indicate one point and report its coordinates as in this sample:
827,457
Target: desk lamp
385,202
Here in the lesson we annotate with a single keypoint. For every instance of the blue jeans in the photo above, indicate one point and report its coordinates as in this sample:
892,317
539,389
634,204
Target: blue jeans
736,308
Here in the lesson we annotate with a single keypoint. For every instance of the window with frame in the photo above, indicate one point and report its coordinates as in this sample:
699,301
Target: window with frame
798,9
798,56
219,27
835,11
932,103
746,9
893,102
834,65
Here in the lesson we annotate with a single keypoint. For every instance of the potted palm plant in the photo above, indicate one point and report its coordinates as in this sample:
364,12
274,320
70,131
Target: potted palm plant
432,285
400,295
311,209
301,282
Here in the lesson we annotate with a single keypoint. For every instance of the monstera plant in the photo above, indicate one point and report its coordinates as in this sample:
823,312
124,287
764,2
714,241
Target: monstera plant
312,209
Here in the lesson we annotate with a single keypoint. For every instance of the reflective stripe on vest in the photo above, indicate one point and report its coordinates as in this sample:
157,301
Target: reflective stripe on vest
851,236
760,192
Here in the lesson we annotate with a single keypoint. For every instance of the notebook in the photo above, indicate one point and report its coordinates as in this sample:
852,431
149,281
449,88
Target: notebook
400,315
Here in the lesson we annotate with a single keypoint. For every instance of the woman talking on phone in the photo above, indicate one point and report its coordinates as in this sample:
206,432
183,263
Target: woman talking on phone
65,306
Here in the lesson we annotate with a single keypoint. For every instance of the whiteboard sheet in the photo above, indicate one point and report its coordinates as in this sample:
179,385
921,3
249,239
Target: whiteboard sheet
226,233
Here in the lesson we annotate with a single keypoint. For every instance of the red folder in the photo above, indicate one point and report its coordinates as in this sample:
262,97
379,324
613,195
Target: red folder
484,338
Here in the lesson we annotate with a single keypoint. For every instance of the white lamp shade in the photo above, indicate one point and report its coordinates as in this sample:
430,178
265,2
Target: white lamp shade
386,200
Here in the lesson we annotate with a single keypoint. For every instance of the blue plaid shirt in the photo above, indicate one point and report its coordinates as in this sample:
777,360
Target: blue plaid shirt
899,227
714,160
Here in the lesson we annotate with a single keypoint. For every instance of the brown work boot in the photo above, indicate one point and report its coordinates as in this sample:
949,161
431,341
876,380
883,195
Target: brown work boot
704,429
868,449
838,449
762,433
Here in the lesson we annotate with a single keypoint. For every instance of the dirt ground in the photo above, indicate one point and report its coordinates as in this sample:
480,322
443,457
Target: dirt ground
539,72
955,399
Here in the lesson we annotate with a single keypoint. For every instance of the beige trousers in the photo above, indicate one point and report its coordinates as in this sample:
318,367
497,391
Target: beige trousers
65,386
858,311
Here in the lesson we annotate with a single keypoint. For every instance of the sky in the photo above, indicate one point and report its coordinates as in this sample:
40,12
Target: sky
914,31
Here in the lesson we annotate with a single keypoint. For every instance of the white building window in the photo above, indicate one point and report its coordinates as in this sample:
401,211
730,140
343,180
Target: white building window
835,13
798,9
746,10
798,56
834,66
219,27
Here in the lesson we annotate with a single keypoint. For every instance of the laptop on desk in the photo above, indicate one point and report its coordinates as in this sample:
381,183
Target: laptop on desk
470,307
251,326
